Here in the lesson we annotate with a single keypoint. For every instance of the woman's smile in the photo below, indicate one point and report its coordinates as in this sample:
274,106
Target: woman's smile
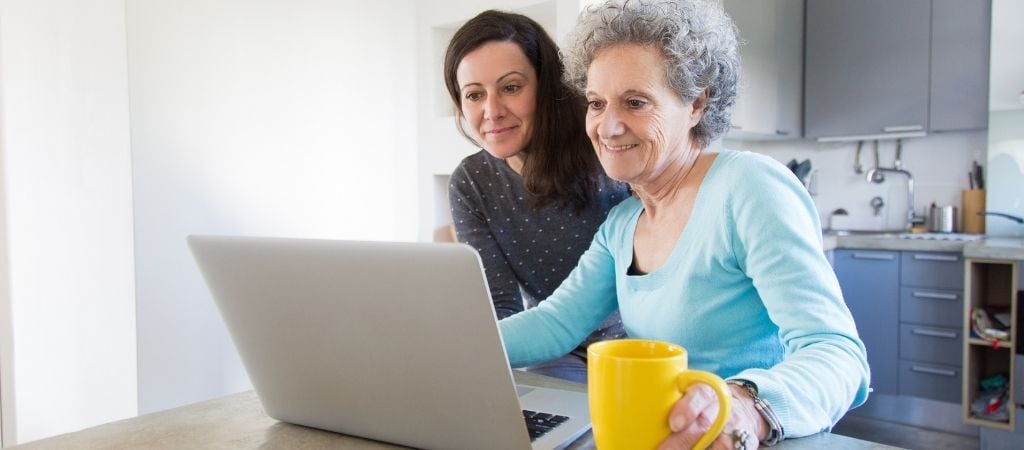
500,132
618,149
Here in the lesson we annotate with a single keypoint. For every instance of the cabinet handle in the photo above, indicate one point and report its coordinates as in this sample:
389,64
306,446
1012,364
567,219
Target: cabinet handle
936,295
782,132
736,127
898,128
943,258
931,371
877,256
933,333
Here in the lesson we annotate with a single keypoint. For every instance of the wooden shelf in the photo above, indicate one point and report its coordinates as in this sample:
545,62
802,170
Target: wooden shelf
983,343
989,423
989,284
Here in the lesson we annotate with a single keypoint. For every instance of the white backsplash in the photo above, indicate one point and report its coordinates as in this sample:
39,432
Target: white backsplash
939,163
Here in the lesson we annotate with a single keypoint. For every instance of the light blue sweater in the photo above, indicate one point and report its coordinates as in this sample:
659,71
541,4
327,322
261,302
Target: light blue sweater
747,291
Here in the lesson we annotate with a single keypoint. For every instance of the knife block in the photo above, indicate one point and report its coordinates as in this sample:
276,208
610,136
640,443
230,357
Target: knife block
973,204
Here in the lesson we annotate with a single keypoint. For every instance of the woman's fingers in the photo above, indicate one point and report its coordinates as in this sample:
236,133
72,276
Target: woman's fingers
698,399
691,417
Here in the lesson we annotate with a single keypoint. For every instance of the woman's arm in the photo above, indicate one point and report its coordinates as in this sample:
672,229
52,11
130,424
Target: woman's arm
471,228
560,323
777,241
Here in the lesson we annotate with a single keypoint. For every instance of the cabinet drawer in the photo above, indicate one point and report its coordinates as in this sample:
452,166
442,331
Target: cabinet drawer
933,381
932,270
932,307
931,344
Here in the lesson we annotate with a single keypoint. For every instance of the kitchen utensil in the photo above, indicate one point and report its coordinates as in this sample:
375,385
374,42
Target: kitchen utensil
898,163
979,177
857,168
943,219
878,176
802,170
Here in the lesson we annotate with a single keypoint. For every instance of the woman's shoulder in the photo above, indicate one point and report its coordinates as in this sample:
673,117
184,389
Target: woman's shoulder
474,163
745,172
742,160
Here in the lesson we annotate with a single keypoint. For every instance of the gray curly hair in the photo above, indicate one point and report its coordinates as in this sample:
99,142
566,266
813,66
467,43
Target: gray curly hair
697,38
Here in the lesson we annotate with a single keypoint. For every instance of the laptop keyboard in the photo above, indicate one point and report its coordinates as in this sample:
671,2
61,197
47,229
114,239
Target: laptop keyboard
538,423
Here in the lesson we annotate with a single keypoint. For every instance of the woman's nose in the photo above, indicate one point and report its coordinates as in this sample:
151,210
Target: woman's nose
610,124
494,109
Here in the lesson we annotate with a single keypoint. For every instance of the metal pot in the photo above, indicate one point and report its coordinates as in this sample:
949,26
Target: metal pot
942,219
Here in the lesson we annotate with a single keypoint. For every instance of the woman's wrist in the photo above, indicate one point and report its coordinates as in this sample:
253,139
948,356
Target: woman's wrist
743,402
769,428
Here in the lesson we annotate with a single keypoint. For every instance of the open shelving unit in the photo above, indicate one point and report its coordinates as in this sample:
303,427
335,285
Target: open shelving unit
989,284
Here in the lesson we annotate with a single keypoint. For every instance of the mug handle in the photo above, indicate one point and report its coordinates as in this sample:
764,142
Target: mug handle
689,378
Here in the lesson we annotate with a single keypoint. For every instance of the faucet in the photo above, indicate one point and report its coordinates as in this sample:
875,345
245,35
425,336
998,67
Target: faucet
875,176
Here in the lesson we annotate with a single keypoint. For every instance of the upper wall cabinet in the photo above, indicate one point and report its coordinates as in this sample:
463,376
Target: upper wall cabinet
961,32
879,68
771,49
866,68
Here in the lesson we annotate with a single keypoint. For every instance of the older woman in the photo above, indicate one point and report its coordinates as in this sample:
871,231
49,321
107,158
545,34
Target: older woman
720,253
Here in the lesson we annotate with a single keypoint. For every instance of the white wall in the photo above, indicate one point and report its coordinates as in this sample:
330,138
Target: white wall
67,184
1005,174
277,117
939,164
1005,190
6,332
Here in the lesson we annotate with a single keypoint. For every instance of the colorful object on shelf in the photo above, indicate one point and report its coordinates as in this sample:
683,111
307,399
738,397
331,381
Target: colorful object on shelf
991,406
994,383
983,328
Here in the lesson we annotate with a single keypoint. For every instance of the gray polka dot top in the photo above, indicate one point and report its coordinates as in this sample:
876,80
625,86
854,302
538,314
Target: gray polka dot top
526,254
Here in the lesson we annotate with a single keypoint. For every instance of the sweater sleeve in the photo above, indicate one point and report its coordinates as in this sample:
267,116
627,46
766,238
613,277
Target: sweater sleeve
472,228
560,323
777,241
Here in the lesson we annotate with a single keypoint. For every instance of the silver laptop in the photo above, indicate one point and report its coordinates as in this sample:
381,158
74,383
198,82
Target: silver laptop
395,342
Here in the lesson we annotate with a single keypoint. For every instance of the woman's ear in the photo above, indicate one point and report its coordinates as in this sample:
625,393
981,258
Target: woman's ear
698,105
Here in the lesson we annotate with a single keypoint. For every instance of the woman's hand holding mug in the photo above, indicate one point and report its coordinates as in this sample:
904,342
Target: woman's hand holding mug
634,385
692,416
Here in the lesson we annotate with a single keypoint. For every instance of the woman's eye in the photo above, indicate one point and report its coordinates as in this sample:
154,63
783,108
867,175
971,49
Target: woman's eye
595,105
636,103
513,88
473,96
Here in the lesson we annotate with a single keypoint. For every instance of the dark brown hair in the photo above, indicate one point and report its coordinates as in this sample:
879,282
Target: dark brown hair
560,166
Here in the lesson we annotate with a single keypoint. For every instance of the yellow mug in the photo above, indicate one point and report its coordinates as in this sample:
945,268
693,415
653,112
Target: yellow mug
633,384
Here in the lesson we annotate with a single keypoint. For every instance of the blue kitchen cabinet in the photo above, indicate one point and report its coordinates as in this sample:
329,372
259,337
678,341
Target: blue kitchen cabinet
871,286
879,68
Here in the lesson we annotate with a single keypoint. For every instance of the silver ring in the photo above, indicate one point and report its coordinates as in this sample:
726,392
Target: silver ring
739,439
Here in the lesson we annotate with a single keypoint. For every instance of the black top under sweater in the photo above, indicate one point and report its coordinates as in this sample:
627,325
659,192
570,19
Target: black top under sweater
526,253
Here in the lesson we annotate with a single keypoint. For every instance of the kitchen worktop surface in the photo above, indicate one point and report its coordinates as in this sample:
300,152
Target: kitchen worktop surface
986,247
238,422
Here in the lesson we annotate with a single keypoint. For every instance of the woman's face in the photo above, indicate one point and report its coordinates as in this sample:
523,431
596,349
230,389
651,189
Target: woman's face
498,97
638,125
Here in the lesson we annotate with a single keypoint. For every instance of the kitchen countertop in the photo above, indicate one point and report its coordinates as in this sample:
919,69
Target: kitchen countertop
996,248
238,422
990,248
